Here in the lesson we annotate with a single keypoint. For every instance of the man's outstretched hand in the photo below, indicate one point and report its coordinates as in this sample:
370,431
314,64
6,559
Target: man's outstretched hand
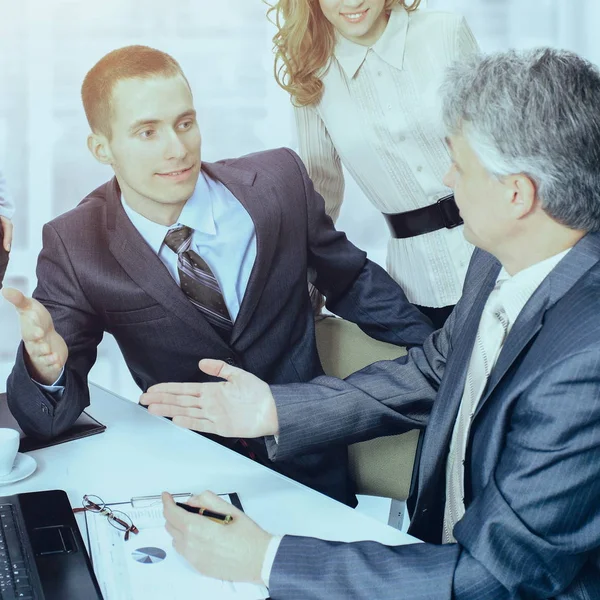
240,406
46,351
7,229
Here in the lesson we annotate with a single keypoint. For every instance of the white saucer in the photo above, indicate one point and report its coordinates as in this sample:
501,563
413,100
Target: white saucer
24,466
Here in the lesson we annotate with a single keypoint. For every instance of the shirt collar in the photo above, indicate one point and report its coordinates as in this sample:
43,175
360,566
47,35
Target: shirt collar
197,214
389,47
518,289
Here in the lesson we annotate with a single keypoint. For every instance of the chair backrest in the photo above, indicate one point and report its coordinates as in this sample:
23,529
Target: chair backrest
383,466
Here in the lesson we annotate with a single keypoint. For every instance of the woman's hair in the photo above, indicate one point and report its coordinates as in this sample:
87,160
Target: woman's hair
304,44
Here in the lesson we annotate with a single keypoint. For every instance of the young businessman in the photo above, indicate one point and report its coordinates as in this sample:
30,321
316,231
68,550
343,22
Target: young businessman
182,260
507,490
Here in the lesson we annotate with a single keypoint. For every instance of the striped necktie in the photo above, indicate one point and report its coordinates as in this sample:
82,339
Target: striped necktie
202,288
197,280
491,333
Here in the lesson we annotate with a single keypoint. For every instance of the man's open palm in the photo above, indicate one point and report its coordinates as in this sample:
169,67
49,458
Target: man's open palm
240,406
46,350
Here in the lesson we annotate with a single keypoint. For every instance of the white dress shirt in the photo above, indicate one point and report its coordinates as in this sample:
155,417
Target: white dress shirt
7,207
510,296
380,116
224,236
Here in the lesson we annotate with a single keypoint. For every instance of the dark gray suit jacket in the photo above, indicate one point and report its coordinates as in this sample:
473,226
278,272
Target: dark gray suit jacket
96,274
3,256
532,524
5,203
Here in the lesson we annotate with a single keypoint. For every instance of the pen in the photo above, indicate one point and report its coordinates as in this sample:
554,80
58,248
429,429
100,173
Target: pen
145,501
209,514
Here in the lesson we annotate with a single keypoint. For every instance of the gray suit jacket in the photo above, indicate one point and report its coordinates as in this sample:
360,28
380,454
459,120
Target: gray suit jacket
532,524
96,273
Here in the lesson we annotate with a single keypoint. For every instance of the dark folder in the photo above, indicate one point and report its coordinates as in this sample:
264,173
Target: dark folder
84,426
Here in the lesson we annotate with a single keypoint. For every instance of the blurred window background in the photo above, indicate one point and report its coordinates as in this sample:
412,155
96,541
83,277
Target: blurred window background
224,47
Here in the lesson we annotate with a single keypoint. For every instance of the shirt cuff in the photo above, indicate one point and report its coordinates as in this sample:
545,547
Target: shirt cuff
57,389
267,565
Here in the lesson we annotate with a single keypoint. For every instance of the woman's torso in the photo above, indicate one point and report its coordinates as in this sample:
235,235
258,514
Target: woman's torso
382,110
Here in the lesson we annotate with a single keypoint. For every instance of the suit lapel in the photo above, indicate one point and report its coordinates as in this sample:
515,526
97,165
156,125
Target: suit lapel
260,203
432,462
146,269
528,323
582,257
450,394
436,442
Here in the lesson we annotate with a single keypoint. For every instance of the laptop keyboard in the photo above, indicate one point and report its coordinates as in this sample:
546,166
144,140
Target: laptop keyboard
14,580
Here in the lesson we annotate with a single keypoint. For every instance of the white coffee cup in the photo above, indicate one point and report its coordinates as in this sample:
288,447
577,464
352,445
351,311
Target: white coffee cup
9,446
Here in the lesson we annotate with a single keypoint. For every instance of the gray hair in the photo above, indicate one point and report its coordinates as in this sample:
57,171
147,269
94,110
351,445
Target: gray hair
538,113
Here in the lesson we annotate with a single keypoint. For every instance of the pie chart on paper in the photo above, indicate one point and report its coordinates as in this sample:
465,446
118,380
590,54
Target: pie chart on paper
149,556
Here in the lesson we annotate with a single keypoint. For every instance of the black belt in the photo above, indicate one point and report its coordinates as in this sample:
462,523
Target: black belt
444,213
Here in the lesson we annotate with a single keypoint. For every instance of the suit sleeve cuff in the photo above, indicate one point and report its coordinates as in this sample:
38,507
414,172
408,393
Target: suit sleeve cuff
267,565
57,389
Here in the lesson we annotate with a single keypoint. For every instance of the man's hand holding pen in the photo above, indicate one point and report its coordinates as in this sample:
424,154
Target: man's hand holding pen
233,553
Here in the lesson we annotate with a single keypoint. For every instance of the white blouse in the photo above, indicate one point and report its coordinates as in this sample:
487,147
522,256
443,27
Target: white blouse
380,115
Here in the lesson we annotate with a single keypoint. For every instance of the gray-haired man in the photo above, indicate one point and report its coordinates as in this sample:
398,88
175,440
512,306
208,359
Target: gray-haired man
507,488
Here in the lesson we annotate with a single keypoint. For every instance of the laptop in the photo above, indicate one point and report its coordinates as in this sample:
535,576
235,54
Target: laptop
42,555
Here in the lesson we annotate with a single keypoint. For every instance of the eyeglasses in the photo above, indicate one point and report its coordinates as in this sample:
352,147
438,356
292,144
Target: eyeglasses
119,520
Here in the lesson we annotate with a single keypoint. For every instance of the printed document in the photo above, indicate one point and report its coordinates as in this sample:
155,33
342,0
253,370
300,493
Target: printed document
147,567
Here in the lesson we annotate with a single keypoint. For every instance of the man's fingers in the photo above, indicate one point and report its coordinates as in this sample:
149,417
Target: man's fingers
7,228
219,368
17,298
50,360
173,532
42,348
150,398
188,388
196,424
178,545
211,501
36,347
176,517
173,410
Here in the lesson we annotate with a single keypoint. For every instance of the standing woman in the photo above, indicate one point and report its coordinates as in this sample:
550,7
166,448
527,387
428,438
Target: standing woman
363,76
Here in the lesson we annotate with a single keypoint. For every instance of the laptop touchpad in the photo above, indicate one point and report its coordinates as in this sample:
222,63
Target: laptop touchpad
52,540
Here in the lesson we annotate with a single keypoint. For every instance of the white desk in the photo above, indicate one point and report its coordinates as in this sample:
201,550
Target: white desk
140,454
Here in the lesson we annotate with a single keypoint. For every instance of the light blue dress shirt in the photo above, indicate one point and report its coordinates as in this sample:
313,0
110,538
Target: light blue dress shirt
224,236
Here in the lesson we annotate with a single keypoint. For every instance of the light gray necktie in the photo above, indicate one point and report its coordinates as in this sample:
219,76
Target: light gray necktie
491,333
